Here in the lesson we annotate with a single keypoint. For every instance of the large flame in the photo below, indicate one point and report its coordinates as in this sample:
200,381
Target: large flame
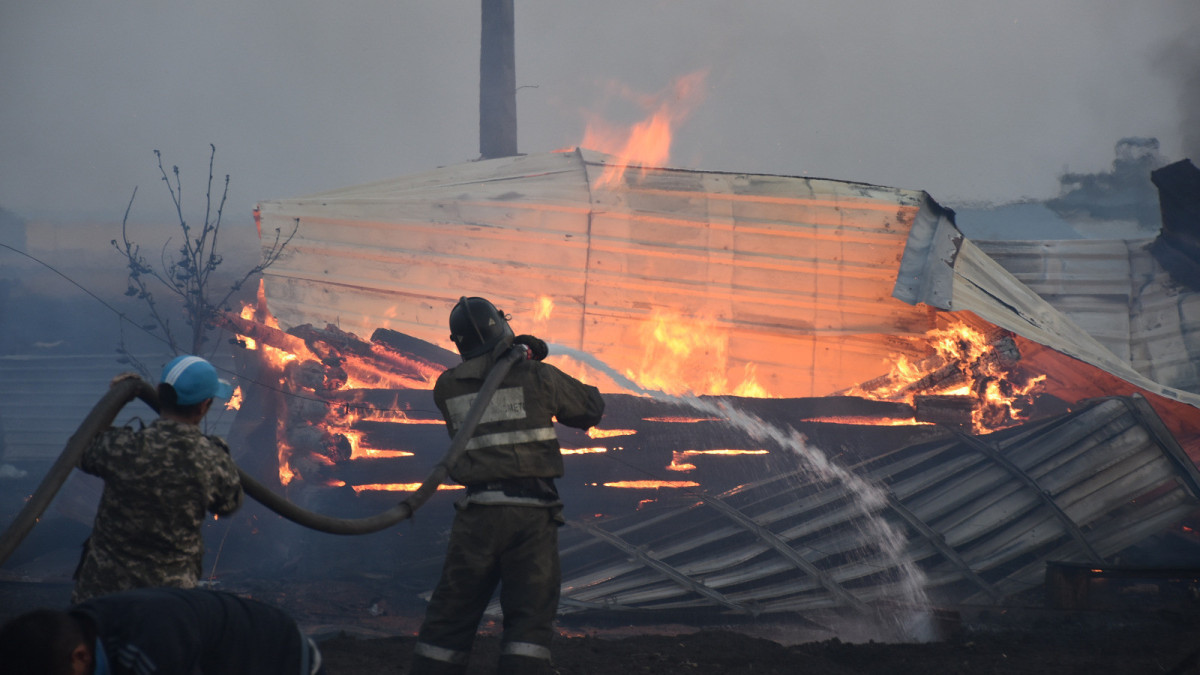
689,355
648,142
965,363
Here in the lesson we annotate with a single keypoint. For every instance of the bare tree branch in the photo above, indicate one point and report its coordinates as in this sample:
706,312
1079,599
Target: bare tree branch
188,274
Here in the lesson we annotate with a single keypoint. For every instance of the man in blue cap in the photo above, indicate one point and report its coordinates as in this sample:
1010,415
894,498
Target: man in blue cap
159,482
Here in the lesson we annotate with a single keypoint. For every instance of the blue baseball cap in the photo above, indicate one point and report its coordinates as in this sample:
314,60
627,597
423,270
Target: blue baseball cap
194,380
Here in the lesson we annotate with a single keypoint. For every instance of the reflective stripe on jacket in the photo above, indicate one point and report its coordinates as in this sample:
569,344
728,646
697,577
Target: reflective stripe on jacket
515,437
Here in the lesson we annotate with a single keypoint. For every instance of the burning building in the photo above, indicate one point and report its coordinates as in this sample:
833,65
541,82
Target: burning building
797,370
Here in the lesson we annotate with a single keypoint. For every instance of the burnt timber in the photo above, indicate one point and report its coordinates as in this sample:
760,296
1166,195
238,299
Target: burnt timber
749,530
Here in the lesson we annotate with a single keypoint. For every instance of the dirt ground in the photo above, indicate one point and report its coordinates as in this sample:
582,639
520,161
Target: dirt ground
1091,645
363,628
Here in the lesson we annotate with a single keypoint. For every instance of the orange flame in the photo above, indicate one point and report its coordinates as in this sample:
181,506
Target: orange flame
965,363
689,355
273,355
679,457
678,463
401,487
337,430
543,308
235,401
867,421
583,451
648,142
609,433
649,484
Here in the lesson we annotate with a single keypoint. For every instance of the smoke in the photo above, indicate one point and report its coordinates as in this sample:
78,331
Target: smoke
1180,61
1123,194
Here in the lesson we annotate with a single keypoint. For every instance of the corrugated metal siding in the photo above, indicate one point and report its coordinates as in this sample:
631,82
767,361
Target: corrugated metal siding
1164,325
1087,280
794,274
398,254
1116,292
43,400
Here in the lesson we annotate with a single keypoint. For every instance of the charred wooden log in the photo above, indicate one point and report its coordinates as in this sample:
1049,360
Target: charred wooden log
262,333
400,405
366,361
345,354
412,347
952,411
941,374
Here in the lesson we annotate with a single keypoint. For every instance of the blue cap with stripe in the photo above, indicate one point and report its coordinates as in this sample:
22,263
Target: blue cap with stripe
194,380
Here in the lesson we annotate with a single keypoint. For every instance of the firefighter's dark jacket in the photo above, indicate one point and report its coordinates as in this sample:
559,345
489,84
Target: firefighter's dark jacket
515,437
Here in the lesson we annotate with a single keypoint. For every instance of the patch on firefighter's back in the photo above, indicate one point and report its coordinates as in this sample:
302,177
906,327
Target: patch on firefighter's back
506,404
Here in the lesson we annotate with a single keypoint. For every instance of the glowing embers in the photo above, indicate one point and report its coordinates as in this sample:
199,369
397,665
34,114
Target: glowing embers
971,380
679,458
584,451
609,433
648,484
400,487
866,421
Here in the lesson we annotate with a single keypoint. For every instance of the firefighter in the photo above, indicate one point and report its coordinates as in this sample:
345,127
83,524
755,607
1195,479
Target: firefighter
158,483
505,529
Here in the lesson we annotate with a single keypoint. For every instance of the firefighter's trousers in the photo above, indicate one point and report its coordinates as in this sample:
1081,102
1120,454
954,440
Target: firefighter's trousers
515,547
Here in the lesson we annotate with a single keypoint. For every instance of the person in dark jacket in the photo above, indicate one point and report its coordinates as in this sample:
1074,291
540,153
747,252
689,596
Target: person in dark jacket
158,631
505,530
159,482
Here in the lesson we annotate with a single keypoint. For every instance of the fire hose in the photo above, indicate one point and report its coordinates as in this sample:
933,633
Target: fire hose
106,410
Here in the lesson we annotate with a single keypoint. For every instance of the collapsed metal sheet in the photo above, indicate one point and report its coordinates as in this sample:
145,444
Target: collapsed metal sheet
981,516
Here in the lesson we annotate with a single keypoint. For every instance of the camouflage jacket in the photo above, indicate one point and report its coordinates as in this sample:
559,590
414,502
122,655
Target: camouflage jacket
158,484
515,437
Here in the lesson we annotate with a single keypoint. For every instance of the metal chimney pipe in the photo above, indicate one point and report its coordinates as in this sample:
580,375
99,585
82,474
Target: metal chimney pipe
497,81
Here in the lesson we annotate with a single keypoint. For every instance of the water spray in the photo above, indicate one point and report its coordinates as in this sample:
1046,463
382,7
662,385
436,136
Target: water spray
870,499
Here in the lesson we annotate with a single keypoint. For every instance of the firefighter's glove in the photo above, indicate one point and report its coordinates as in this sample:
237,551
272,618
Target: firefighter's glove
537,346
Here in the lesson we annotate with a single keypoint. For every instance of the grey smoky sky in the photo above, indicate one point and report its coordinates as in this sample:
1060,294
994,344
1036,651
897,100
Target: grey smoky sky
970,101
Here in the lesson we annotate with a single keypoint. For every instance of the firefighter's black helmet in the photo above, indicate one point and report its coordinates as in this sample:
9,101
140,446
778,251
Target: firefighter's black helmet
476,327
